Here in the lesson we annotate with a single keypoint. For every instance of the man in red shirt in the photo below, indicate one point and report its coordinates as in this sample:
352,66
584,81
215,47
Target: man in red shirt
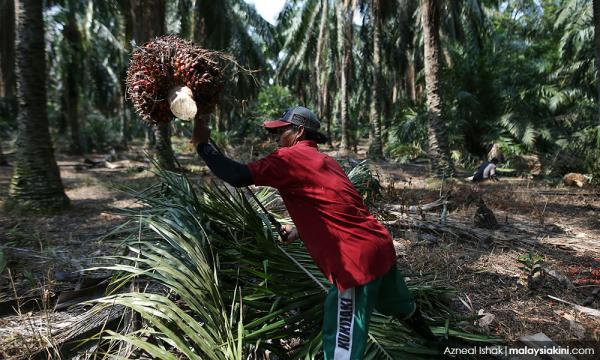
352,249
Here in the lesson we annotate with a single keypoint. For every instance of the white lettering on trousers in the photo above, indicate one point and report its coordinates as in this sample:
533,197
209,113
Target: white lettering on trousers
345,325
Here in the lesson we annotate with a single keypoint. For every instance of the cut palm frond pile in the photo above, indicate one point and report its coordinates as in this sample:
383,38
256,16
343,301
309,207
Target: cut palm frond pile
366,182
230,292
160,65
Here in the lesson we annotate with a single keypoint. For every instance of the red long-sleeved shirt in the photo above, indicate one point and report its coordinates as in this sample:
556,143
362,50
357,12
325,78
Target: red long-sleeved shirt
346,242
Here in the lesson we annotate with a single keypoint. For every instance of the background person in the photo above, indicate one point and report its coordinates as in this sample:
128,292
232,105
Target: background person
486,171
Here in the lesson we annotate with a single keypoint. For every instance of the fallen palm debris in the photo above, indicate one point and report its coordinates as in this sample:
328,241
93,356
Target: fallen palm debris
514,235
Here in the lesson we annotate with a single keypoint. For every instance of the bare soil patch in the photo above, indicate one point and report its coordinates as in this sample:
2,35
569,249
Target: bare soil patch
561,225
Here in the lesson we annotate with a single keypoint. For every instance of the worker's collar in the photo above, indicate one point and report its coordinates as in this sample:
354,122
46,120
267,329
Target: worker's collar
310,143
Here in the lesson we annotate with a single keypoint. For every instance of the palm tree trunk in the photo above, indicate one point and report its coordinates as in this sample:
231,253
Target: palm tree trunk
186,13
61,120
596,11
127,10
164,150
410,76
375,144
345,15
7,49
219,115
441,162
149,138
198,26
71,79
3,161
124,123
148,22
36,180
72,113
162,132
327,108
320,74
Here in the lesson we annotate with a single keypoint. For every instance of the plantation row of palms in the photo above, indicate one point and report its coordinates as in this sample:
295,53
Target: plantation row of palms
440,78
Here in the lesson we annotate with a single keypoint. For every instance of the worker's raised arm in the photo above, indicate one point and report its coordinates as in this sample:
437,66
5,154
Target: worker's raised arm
226,169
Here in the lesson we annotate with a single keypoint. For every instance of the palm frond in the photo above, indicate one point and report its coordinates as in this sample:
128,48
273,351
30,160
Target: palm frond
520,129
225,286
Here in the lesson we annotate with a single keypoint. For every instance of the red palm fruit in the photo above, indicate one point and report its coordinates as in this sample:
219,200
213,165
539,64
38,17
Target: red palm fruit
159,65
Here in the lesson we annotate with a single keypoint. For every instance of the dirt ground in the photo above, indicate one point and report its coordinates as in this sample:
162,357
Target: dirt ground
561,225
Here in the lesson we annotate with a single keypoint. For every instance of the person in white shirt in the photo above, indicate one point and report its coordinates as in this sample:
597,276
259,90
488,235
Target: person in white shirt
486,171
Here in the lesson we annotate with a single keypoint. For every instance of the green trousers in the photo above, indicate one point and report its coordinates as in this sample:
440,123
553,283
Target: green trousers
347,313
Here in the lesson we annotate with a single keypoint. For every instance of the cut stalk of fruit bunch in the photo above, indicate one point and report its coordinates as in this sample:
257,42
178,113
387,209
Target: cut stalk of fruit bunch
181,103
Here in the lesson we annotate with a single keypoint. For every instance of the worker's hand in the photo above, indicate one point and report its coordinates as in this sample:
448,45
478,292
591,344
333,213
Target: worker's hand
201,132
291,232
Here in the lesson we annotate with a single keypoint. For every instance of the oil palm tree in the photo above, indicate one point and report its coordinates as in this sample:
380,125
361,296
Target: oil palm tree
439,153
387,37
375,142
345,13
321,61
576,22
7,49
3,161
36,180
235,27
86,53
73,76
7,57
148,21
556,87
154,12
596,11
402,52
309,56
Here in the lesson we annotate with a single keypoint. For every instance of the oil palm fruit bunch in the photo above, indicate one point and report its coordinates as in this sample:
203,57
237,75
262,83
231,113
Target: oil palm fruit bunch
170,77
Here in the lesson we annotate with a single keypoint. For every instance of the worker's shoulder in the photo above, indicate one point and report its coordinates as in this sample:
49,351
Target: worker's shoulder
301,150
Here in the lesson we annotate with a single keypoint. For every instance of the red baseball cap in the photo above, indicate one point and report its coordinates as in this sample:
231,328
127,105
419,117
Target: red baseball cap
274,124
